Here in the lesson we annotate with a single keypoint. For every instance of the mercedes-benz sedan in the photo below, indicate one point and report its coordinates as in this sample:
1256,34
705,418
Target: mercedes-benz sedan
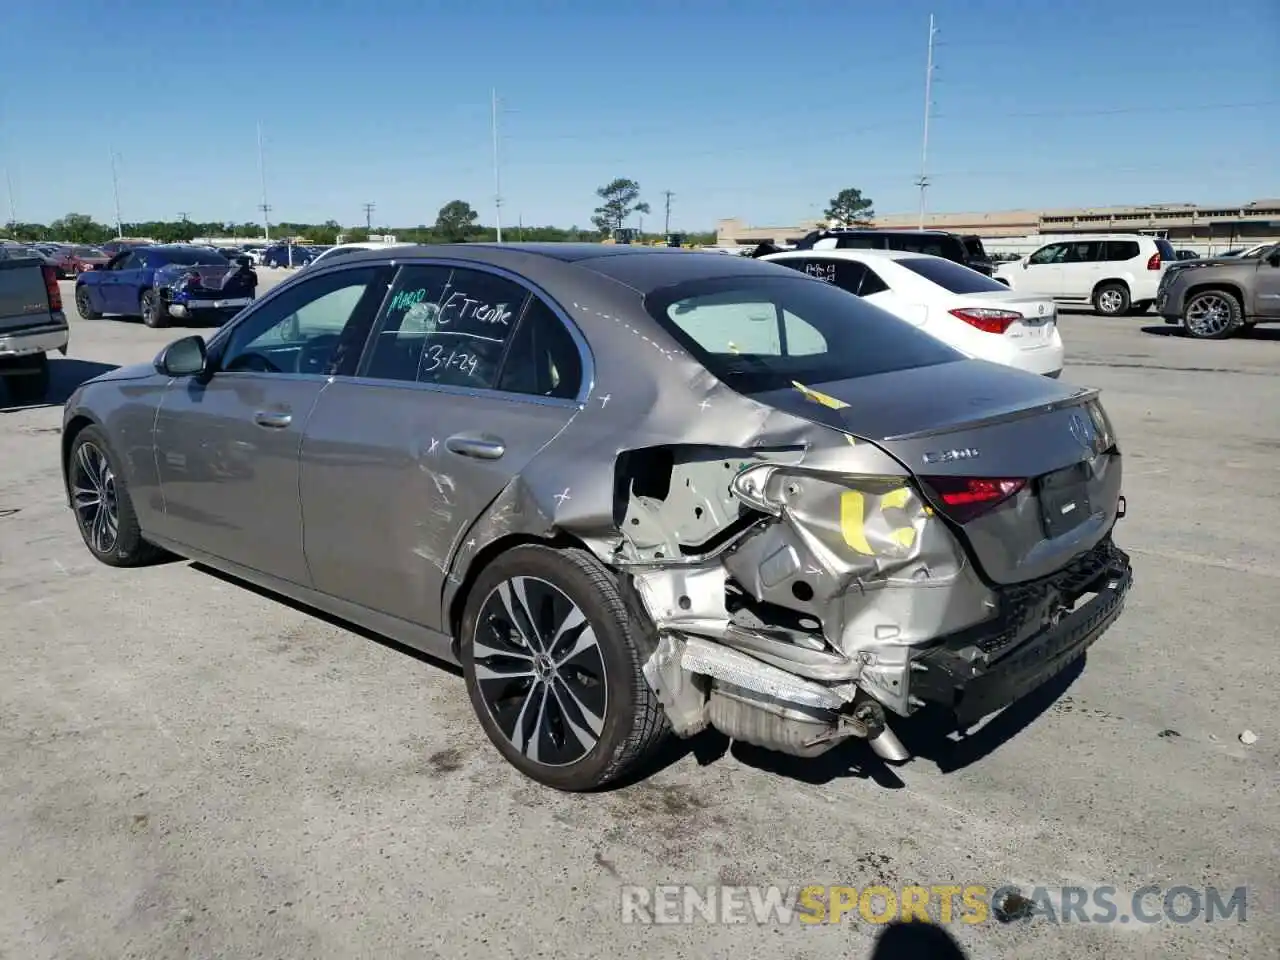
630,490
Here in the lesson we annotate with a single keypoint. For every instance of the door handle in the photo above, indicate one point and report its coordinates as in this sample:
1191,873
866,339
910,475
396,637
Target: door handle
479,446
275,421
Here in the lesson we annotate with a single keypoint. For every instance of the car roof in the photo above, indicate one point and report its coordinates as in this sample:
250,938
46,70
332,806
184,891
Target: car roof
643,269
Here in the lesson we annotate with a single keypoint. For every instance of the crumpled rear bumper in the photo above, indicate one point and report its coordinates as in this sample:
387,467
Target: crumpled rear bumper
956,675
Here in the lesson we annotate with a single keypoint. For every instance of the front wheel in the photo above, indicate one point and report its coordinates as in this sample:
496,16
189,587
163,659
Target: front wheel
1212,315
104,512
1111,299
153,311
552,658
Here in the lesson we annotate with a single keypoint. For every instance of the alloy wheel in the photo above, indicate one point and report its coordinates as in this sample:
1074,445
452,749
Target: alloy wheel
540,671
93,491
1208,314
1110,301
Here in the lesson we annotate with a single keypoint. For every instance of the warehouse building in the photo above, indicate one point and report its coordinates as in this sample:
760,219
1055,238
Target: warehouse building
1212,228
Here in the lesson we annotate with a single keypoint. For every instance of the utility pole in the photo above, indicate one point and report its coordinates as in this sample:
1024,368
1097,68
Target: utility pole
520,227
182,215
262,175
115,187
13,204
923,182
368,217
666,220
497,177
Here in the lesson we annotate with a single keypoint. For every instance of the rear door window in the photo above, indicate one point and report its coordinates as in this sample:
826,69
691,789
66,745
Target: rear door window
935,246
845,274
446,326
860,241
1115,251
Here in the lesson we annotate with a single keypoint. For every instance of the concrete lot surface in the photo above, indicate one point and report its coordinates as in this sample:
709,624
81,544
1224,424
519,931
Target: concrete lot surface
194,769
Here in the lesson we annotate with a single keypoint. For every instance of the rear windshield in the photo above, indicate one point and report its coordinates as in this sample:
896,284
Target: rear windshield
192,256
758,334
973,246
932,244
952,277
1167,253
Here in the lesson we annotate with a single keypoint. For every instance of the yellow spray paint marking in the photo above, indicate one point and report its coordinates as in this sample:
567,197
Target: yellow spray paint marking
818,397
853,515
852,522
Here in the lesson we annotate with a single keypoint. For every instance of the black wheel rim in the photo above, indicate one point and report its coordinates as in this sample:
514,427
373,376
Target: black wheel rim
540,671
93,492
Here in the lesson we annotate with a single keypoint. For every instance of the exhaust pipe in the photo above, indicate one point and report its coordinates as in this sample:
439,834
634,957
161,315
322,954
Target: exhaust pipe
883,741
887,746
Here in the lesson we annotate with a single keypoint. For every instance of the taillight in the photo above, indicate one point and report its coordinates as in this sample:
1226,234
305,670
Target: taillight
1155,261
51,289
964,498
987,320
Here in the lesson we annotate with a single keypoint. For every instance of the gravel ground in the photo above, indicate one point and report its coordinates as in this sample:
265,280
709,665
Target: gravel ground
194,769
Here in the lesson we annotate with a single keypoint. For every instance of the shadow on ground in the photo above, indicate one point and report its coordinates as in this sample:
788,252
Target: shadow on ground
64,376
1247,333
930,735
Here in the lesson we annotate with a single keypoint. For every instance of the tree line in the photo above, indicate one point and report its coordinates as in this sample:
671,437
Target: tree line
457,221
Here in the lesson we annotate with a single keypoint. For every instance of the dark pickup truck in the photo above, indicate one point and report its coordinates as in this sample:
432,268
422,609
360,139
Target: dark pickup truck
32,324
1214,298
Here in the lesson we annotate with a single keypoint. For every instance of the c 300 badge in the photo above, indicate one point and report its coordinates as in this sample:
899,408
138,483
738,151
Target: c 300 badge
951,456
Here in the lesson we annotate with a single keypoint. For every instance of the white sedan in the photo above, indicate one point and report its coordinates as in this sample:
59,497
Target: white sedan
961,307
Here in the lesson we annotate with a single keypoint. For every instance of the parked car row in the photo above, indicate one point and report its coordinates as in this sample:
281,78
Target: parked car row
675,491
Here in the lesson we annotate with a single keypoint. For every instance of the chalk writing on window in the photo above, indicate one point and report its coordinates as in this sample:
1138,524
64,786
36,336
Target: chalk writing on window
437,357
823,270
459,308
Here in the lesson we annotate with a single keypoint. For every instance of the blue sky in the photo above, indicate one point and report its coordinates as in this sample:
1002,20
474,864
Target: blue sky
761,109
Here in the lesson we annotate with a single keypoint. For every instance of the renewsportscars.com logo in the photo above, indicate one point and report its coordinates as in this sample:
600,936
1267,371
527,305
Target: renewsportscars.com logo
939,904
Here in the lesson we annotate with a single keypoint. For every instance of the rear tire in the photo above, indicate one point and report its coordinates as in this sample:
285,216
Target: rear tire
153,312
1111,299
28,388
1212,315
100,499
84,305
569,708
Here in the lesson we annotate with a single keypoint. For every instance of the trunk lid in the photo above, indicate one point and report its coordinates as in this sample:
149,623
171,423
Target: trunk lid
972,419
1039,315
224,280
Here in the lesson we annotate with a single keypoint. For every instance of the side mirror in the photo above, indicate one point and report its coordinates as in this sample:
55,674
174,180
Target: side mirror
183,358
1026,262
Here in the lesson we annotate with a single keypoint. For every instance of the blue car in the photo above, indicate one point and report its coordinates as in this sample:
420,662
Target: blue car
288,255
167,281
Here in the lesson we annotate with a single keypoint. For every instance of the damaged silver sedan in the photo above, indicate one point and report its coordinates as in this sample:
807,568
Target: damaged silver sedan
631,491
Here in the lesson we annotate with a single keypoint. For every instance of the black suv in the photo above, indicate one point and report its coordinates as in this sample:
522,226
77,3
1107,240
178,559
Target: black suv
967,250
